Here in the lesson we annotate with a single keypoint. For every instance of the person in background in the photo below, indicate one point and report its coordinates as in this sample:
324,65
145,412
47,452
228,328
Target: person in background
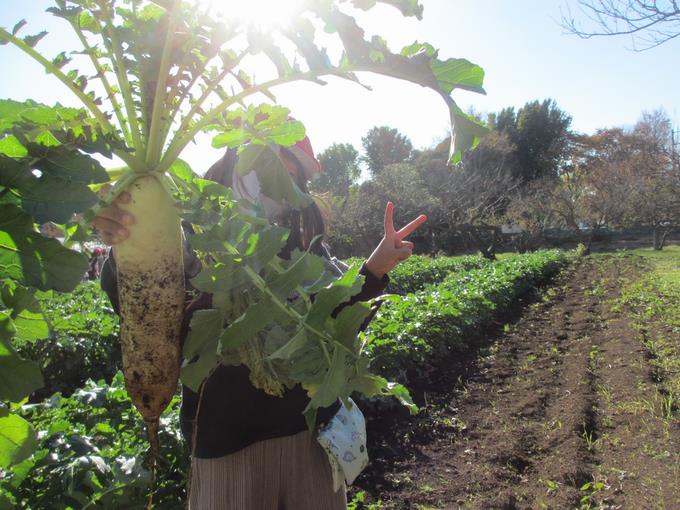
252,450
96,263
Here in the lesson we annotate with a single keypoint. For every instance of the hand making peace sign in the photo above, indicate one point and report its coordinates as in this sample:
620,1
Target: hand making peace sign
392,249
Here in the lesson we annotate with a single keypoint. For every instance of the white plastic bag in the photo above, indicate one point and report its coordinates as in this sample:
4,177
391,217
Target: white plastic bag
344,440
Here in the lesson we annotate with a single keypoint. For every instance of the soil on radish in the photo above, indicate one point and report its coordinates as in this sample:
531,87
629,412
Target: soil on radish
157,367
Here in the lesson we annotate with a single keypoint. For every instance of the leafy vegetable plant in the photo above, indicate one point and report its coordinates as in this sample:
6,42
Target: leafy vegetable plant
408,336
90,454
159,73
416,272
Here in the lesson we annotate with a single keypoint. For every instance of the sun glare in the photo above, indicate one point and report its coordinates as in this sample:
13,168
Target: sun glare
263,13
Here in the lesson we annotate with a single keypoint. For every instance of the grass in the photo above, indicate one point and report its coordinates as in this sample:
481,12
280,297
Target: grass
654,302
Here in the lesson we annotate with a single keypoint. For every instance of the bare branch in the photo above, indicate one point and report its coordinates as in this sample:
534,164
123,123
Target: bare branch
649,23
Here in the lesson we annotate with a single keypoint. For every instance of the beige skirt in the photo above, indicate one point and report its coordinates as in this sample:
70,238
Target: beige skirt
287,473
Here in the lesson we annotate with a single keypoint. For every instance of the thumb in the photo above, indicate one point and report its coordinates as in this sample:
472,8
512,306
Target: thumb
404,252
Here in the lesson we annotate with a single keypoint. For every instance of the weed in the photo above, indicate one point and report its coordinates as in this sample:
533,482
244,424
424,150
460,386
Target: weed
552,486
588,436
554,424
358,503
589,491
605,393
595,357
667,405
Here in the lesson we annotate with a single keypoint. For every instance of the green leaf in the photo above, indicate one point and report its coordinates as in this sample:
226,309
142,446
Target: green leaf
287,134
296,343
7,500
220,278
182,169
458,73
18,377
33,40
275,182
18,298
348,322
18,440
88,22
10,112
10,146
402,394
256,317
21,470
70,165
335,382
48,197
151,12
193,374
29,323
372,385
231,138
328,299
61,60
204,329
21,24
30,327
210,241
202,341
304,267
211,189
264,245
33,260
466,136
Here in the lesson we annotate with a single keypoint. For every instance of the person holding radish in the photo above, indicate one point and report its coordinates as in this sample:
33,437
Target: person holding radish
252,450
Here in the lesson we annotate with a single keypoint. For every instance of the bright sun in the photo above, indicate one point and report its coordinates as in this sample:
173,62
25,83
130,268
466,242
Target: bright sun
263,13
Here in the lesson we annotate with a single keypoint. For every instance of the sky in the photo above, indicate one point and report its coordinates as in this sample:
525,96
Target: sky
524,51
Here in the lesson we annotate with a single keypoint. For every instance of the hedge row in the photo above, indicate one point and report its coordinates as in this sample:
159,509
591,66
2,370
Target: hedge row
418,271
408,335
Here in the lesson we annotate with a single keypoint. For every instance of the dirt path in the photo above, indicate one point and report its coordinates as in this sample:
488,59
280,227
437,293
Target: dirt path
561,413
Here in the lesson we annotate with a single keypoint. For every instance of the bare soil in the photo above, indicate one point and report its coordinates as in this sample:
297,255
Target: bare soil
558,408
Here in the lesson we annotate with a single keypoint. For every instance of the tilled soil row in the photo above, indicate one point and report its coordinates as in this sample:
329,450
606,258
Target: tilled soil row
532,426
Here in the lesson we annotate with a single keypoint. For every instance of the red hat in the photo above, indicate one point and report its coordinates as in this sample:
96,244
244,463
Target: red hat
304,153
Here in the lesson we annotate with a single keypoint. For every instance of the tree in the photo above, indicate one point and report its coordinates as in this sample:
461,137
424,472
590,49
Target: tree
650,23
532,210
630,179
362,219
385,146
339,170
656,190
605,158
481,188
540,133
471,198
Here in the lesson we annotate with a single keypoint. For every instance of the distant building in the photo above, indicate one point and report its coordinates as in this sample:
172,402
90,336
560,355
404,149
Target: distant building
509,228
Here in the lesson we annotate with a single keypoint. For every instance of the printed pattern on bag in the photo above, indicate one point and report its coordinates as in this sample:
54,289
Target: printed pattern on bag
344,440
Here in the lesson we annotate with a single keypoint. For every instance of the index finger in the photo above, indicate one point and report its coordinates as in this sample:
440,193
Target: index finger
411,227
123,198
389,222
104,190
